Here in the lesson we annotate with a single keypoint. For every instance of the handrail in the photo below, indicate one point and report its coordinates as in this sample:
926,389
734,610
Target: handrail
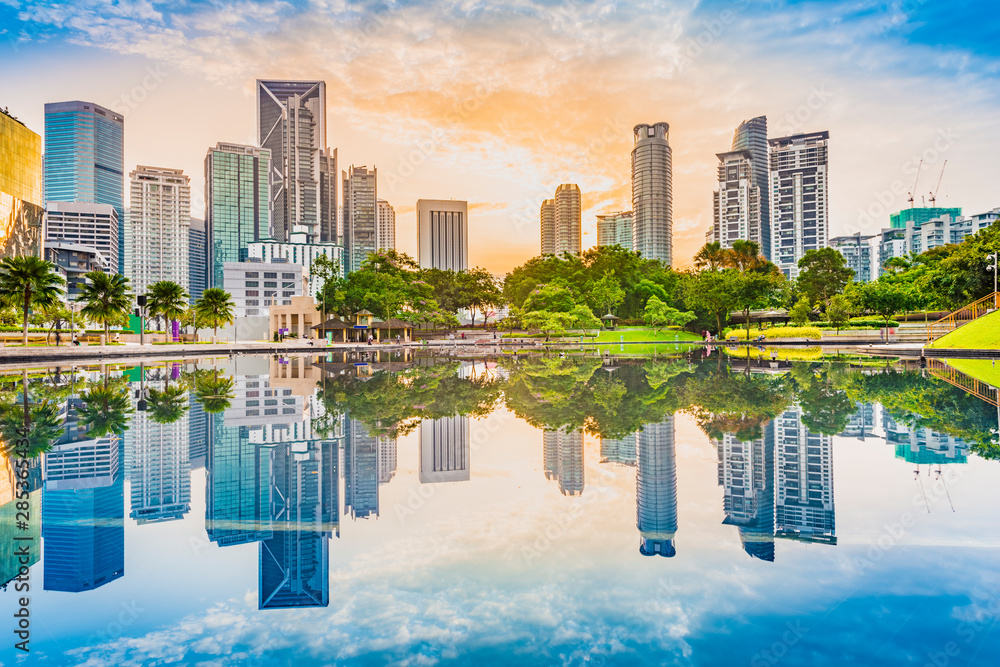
964,315
970,385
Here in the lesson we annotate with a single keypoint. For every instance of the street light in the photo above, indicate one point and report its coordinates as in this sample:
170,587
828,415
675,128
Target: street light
993,267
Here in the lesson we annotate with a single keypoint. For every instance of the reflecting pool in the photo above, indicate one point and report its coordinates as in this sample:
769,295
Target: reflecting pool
552,510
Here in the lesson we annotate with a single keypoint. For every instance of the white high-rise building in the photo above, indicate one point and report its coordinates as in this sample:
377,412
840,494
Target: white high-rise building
736,204
547,218
615,229
360,215
803,480
857,252
157,226
160,470
800,214
91,225
385,238
652,192
443,234
444,450
561,221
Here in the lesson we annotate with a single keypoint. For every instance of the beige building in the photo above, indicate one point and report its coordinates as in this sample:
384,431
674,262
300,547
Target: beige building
443,234
299,317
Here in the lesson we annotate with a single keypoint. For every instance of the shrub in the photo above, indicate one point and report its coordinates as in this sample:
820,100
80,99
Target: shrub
858,323
777,332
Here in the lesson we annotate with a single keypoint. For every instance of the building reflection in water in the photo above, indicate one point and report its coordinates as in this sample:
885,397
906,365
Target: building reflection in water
444,450
746,474
562,453
83,508
804,480
656,489
361,470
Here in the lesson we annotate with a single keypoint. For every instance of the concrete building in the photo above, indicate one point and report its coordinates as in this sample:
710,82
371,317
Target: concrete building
799,192
329,177
444,450
547,220
91,225
160,470
443,234
916,237
22,203
751,136
301,254
746,475
615,229
561,221
297,317
198,261
619,450
857,252
85,160
157,229
386,239
76,261
256,286
291,125
237,203
360,215
361,475
736,204
652,192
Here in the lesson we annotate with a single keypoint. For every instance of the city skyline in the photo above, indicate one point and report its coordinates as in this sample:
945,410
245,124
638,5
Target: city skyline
464,120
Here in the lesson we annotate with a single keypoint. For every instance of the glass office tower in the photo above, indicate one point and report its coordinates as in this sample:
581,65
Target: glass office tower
85,158
21,204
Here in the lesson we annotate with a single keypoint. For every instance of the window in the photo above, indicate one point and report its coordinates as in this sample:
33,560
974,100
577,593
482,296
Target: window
270,275
253,394
271,411
253,413
251,274
253,404
252,283
267,284
292,293
288,276
252,292
253,302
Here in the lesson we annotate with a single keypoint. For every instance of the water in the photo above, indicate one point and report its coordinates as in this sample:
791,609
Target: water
392,510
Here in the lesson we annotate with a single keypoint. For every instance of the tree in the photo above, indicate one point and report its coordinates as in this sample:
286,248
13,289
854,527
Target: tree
838,312
483,293
583,318
56,313
551,298
106,298
711,292
514,319
882,297
548,322
822,274
215,308
801,311
607,292
756,288
711,257
744,256
167,300
323,268
659,314
26,282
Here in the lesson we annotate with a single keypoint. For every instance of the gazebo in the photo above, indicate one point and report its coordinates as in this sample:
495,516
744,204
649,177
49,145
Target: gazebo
609,321
365,323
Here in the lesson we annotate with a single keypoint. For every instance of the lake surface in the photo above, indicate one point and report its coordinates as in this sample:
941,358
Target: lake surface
698,510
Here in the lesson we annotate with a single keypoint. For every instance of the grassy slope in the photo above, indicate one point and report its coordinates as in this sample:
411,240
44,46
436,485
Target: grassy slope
981,369
981,334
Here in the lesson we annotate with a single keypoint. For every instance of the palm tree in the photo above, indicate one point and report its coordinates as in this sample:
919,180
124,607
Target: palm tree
215,393
215,307
26,282
166,299
106,297
168,405
745,256
106,408
711,256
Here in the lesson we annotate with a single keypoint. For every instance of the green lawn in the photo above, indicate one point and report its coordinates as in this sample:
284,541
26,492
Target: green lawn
634,334
983,370
980,334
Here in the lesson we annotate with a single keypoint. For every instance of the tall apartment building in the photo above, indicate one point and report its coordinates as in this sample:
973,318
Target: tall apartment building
619,450
917,235
160,470
329,177
360,215
443,234
22,203
85,159
804,508
81,237
444,450
736,204
561,221
386,238
291,125
562,453
751,135
746,475
652,192
656,489
237,203
197,259
857,252
799,191
157,229
615,229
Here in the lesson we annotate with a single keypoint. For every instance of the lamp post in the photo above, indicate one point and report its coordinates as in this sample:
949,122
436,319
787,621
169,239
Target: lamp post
993,267
140,312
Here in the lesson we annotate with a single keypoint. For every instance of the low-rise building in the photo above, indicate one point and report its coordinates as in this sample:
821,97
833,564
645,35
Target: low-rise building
257,286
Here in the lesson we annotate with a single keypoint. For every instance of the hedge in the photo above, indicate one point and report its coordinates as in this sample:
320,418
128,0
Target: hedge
856,322
777,332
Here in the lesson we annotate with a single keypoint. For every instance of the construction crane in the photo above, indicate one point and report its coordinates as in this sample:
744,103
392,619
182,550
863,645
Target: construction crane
917,178
934,194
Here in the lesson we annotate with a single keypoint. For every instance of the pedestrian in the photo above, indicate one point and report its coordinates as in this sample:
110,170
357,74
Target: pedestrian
397,339
58,338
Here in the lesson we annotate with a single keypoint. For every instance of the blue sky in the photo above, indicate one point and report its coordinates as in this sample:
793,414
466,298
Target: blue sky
498,103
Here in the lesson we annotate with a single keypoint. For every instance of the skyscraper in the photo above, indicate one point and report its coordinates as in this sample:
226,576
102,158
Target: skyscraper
746,475
81,237
547,218
804,508
85,159
197,259
238,471
443,234
751,135
656,489
615,229
361,461
386,237
652,192
736,204
22,205
360,215
563,455
444,450
237,205
291,125
561,221
329,176
159,219
857,252
799,198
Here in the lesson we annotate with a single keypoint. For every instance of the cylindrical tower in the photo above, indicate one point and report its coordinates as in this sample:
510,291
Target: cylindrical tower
652,192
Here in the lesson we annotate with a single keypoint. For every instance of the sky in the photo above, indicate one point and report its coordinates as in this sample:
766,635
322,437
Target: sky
498,103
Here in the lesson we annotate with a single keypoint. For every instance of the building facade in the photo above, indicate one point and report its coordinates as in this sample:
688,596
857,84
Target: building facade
566,211
746,475
160,470
615,229
562,454
197,259
255,286
329,177
85,159
443,234
237,204
547,219
301,254
94,226
751,136
360,215
804,506
652,192
444,450
386,238
291,125
857,252
22,203
156,232
656,489
916,237
736,204
799,192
